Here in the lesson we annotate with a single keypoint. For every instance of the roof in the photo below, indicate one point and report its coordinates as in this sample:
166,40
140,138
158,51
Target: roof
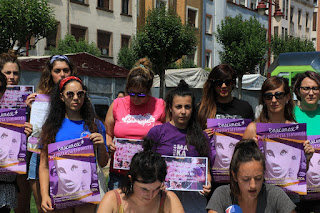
87,65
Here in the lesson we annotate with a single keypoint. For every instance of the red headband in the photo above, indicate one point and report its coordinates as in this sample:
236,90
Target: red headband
65,80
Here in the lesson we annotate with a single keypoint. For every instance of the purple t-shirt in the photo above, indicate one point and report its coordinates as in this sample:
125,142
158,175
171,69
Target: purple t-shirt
171,141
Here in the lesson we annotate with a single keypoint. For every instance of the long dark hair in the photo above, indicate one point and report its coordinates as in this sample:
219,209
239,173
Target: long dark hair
246,150
273,83
195,135
57,114
308,74
3,81
146,167
208,107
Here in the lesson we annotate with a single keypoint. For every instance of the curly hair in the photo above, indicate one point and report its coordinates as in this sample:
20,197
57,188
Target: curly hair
208,107
195,136
273,83
57,113
46,83
141,76
308,74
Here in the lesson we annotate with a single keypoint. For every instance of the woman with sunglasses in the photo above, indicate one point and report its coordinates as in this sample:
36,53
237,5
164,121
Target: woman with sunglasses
56,68
217,100
70,116
307,90
135,114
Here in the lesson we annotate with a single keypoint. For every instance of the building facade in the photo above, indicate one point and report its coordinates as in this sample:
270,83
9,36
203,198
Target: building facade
108,23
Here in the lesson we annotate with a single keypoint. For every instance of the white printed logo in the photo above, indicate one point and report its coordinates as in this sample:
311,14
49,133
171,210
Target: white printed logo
146,119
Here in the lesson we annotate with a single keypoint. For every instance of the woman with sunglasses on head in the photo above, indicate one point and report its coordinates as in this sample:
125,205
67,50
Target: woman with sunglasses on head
247,188
307,90
135,114
217,100
56,68
70,116
182,136
142,188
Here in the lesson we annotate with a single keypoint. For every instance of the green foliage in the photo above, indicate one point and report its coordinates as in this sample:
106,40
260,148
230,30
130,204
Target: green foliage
183,63
244,43
127,57
70,45
287,44
22,19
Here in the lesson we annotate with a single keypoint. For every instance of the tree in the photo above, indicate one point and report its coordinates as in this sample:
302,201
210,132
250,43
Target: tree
70,45
164,39
21,20
244,44
287,44
127,57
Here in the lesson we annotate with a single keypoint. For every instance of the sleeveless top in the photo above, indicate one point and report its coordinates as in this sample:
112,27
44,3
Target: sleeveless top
163,195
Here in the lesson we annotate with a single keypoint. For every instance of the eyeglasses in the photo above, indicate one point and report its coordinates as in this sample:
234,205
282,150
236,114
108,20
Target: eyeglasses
80,94
140,95
277,95
307,89
227,82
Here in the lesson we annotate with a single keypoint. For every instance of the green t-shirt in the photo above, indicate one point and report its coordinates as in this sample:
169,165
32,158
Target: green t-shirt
312,118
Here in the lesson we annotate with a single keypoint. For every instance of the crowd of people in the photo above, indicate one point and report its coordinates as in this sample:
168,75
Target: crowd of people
174,127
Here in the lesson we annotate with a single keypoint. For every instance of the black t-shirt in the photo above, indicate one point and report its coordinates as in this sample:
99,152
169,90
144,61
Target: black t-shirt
236,109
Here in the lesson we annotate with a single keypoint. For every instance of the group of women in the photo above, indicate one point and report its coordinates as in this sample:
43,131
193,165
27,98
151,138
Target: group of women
175,122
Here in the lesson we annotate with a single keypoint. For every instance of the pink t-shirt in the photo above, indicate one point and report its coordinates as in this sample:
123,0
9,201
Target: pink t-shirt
133,121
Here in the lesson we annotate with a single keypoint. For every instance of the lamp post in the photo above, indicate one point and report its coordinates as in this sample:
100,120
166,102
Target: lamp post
277,15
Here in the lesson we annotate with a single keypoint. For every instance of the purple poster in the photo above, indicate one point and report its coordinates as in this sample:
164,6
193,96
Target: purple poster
72,172
282,145
228,132
126,148
15,96
13,143
313,173
40,108
186,173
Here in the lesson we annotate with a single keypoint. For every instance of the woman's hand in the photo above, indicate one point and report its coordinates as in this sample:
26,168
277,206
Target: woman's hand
46,204
97,139
209,132
31,99
206,189
308,151
27,129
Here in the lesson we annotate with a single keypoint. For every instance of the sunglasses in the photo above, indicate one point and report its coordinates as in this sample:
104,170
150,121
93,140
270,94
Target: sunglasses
80,94
277,95
140,95
227,82
307,89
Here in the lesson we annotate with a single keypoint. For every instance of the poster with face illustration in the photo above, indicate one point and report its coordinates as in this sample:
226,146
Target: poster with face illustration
186,173
282,145
313,173
126,148
13,145
39,111
15,96
72,172
227,132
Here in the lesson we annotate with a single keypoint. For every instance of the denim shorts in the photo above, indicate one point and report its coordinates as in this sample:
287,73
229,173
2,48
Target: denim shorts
33,172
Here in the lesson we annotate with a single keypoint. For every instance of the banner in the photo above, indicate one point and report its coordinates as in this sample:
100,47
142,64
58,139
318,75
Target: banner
186,173
126,148
282,145
73,174
227,132
15,96
13,141
39,111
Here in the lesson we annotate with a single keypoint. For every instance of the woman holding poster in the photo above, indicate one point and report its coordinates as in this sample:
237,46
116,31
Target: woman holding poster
247,188
142,188
182,136
134,115
70,116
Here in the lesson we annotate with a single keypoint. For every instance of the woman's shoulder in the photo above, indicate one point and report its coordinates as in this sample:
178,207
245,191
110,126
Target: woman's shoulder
172,202
109,202
156,101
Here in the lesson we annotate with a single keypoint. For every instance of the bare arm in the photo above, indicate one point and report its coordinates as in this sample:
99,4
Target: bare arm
172,203
98,141
109,122
108,203
46,204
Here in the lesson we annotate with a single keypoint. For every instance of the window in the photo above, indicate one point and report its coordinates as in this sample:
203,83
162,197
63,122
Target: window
253,5
161,2
105,4
307,20
291,13
286,32
282,32
104,42
208,58
287,6
276,31
52,37
125,41
78,32
209,24
192,17
126,7
242,2
299,17
314,21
